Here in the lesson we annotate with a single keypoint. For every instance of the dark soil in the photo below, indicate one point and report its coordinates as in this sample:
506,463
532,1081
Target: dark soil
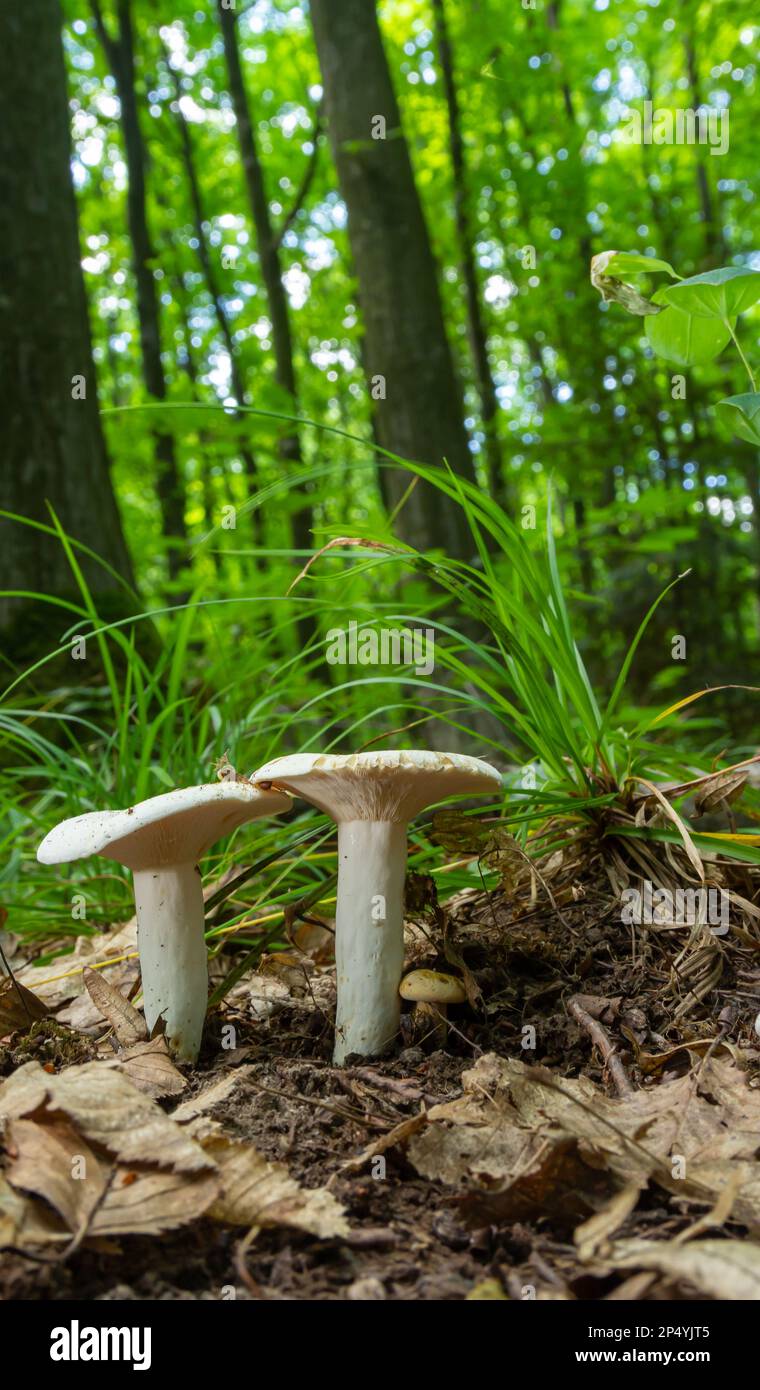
409,1236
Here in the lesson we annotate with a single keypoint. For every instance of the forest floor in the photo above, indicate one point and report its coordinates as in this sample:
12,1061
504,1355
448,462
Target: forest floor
588,1130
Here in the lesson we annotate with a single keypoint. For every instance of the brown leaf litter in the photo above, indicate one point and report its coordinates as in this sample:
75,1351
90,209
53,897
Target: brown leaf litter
107,1160
505,1163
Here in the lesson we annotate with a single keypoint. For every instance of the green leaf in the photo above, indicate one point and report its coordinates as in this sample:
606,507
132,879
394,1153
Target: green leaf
741,847
630,263
684,339
717,294
743,415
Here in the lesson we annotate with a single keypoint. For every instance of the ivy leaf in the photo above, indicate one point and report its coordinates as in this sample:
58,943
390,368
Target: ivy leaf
717,294
630,263
743,415
683,338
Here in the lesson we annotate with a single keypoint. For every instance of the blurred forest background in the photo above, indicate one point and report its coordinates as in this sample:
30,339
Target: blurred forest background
309,234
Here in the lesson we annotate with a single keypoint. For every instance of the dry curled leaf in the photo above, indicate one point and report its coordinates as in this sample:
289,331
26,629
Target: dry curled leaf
24,1222
610,287
150,1068
95,1197
595,1232
53,1161
19,1007
128,1025
212,1095
723,1269
257,1193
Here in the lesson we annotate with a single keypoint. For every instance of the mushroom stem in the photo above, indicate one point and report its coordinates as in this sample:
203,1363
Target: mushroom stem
369,935
433,1022
173,958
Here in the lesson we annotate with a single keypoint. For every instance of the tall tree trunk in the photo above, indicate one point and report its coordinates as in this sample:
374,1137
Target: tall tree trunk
489,402
269,256
53,448
209,273
120,54
716,248
419,405
191,371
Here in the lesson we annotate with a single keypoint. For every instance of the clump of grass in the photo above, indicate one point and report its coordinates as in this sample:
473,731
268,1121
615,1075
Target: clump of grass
510,681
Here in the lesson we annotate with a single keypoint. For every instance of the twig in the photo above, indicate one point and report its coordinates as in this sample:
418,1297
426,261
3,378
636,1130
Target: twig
352,1115
406,1089
599,1037
243,1272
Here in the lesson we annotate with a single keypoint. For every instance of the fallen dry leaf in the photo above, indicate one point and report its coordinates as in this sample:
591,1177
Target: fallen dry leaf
724,1269
400,1134
257,1193
128,1025
97,1198
52,1161
263,995
19,1007
595,1232
150,1068
25,1222
100,1153
61,980
107,1109
210,1096
692,1136
147,1203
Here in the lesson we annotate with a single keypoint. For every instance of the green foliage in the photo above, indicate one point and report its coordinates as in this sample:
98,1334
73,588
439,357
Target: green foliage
716,294
747,408
509,655
646,486
685,338
629,263
698,315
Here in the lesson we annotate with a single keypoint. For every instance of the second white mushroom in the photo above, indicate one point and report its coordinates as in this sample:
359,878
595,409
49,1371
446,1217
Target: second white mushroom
372,797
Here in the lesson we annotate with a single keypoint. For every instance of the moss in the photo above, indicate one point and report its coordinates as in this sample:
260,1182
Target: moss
52,1044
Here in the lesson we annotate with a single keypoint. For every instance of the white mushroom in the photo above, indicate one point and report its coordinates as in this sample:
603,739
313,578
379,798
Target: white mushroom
161,840
372,797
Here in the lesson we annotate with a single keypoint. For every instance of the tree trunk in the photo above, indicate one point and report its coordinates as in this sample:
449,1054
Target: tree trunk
269,257
204,442
209,275
716,249
419,405
120,54
53,447
489,402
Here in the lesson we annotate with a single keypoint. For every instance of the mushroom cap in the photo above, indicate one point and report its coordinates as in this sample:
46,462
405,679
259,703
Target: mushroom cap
174,828
382,786
432,987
